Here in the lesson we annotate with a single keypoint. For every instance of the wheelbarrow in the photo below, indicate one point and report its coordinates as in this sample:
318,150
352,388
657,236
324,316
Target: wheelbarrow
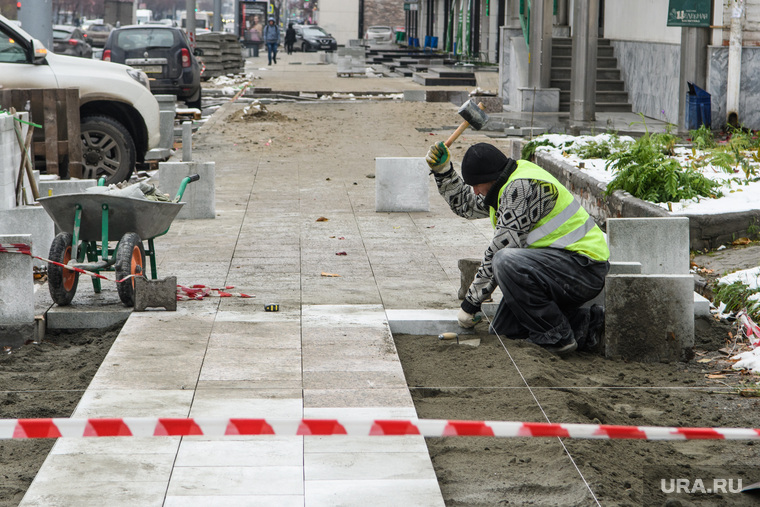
90,222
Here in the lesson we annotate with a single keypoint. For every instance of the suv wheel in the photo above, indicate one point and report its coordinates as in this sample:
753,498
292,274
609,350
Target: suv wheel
304,47
195,101
107,149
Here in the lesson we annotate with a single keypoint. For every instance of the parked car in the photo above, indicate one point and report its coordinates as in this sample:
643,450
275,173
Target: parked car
119,116
164,54
314,38
70,40
379,35
97,34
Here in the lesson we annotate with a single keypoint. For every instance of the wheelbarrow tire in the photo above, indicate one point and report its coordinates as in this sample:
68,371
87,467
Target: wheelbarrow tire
130,260
62,282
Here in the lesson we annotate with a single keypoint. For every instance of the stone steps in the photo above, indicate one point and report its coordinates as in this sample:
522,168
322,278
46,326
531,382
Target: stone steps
611,95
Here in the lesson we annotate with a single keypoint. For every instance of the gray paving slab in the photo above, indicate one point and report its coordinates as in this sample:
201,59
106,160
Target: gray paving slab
328,353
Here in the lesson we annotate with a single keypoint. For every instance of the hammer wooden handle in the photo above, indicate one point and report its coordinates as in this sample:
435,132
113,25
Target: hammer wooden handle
458,132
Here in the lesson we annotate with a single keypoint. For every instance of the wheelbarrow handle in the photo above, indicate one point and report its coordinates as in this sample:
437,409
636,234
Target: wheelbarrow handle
185,181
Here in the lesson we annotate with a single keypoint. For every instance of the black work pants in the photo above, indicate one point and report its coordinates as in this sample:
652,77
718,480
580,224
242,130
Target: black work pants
543,290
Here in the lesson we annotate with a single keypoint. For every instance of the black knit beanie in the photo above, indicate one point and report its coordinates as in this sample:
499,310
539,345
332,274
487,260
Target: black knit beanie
482,163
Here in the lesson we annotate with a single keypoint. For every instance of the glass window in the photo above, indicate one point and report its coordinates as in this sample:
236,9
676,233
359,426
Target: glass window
145,38
11,51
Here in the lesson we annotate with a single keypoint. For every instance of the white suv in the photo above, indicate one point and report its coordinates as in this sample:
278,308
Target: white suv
119,115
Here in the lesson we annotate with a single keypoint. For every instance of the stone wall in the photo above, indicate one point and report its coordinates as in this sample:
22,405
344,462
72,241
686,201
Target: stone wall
384,13
749,114
651,72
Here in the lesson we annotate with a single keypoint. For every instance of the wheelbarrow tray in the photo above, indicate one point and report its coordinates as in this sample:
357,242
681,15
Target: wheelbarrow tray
125,214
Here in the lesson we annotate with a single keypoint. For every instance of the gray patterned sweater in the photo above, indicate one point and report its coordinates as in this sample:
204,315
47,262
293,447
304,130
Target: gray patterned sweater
523,204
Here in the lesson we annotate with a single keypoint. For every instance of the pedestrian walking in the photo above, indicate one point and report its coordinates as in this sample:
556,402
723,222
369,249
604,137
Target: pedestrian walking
272,40
290,38
547,254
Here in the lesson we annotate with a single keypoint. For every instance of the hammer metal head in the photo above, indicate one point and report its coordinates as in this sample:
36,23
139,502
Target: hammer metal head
473,114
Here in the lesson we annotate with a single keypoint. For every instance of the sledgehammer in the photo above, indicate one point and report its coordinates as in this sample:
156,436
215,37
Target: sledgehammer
473,116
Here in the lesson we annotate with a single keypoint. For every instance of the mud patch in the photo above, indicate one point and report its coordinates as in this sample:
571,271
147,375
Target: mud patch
42,380
247,115
454,382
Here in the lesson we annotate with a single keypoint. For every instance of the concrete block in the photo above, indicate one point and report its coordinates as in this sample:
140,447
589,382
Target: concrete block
30,220
87,316
661,245
415,95
199,197
701,306
401,184
16,293
542,100
60,187
616,268
424,322
467,270
649,318
351,60
156,294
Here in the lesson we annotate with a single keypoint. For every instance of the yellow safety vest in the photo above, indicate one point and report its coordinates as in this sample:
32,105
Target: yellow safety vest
568,226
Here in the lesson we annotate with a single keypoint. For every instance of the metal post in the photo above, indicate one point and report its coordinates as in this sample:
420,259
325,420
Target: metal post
694,43
190,21
217,21
583,72
36,18
540,50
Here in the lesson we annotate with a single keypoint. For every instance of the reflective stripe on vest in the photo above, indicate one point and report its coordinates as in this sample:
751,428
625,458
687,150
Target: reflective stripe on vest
568,226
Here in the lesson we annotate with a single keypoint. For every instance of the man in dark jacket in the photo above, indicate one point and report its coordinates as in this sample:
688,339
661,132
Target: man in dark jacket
547,255
272,40
290,38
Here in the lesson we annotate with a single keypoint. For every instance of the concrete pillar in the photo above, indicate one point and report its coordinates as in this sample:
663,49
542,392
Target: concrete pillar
199,196
187,141
36,18
513,14
540,49
563,17
583,73
694,42
16,293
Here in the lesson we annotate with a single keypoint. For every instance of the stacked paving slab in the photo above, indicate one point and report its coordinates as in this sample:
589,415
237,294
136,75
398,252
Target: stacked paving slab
221,54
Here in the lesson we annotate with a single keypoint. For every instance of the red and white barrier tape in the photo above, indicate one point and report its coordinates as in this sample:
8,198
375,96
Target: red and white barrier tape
184,293
218,427
199,292
25,249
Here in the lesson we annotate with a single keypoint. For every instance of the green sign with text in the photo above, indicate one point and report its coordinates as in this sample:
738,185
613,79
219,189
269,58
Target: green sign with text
690,13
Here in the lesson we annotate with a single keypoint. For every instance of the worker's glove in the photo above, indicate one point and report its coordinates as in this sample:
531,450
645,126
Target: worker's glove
467,320
438,158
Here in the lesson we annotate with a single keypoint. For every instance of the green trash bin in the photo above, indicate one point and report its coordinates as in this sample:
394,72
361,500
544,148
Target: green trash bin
400,35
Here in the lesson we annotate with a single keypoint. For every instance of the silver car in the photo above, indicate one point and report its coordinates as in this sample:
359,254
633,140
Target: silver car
379,35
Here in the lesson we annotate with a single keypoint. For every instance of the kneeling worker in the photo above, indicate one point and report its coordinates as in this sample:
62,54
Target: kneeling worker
547,255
